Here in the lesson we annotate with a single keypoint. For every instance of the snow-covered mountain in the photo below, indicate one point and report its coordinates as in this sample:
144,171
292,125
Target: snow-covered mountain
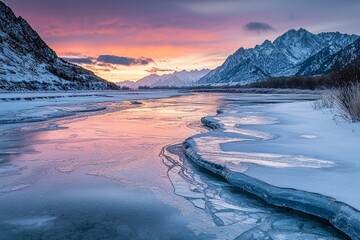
326,61
27,63
296,52
127,83
181,78
149,80
176,79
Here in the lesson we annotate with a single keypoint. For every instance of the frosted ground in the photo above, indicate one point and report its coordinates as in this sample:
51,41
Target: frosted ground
80,165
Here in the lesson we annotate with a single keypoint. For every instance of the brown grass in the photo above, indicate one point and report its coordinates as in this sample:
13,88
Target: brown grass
344,102
347,100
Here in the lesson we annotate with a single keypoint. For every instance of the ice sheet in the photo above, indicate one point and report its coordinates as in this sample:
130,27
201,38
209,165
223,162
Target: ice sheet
240,215
311,154
23,107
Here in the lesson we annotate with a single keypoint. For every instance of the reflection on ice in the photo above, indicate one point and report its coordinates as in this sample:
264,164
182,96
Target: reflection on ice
69,163
308,136
209,147
33,222
245,120
231,124
13,187
64,199
252,133
7,169
235,121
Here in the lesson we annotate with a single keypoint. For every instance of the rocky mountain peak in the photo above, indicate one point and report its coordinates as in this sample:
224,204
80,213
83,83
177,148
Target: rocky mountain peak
294,35
294,52
6,12
28,63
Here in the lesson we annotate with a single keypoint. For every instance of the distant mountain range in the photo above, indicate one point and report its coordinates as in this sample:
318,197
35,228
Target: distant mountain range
27,63
176,79
295,53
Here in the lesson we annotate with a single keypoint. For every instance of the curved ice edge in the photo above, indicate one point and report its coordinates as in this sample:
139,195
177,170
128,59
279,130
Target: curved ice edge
339,214
212,123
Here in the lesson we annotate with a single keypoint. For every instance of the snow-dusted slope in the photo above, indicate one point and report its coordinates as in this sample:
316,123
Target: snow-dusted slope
127,83
182,78
176,79
27,63
299,45
326,61
149,80
288,55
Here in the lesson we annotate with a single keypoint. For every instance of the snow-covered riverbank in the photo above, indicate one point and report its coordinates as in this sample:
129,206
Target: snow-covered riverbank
27,107
286,153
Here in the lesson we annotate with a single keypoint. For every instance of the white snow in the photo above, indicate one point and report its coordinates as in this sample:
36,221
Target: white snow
176,79
293,51
336,142
299,148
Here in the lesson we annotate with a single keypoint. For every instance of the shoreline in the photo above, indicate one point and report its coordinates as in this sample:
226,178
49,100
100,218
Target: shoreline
341,215
62,112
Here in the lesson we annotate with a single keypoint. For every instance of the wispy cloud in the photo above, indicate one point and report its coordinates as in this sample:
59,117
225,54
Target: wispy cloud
108,60
83,60
155,70
119,60
258,27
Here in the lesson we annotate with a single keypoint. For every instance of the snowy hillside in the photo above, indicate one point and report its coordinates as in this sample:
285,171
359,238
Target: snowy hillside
327,62
127,83
27,63
176,79
296,52
182,78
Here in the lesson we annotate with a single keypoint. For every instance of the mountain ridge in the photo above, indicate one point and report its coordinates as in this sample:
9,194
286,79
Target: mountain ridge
292,54
28,63
175,79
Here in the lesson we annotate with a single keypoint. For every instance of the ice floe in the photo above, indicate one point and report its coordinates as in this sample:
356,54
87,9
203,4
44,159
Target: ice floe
281,155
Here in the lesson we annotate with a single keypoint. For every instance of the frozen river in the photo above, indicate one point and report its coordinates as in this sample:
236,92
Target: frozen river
117,171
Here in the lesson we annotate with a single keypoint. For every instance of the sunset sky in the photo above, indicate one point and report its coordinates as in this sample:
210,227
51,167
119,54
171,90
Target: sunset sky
129,39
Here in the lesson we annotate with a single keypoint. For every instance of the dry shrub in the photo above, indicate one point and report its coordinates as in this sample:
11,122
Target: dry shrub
326,101
344,102
347,101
